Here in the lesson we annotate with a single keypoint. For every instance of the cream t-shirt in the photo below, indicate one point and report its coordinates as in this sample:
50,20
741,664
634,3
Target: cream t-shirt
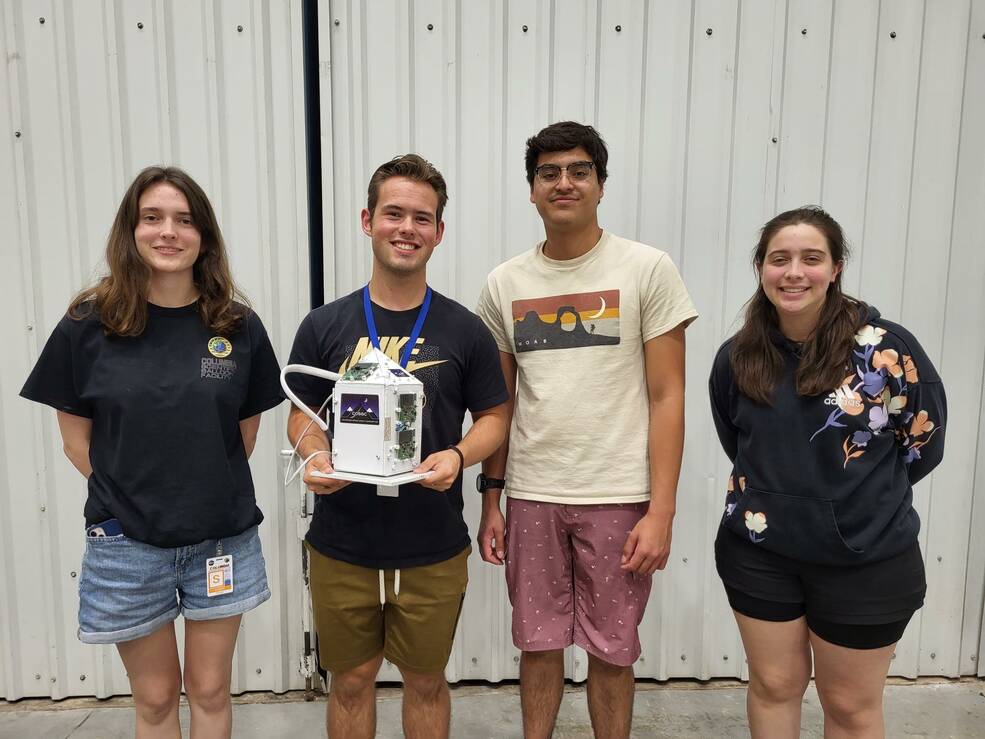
576,329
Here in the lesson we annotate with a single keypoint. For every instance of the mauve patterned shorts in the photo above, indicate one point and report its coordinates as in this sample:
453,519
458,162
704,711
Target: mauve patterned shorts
564,580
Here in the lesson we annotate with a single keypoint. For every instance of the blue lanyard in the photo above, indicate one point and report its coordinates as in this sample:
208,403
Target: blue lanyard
418,325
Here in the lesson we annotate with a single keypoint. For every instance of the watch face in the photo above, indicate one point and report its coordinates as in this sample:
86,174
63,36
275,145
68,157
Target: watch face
480,483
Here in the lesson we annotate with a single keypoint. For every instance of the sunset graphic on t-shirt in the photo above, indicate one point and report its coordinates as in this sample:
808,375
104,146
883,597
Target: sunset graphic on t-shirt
566,321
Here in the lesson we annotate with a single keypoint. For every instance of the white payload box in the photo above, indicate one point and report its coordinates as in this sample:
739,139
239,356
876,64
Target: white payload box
378,408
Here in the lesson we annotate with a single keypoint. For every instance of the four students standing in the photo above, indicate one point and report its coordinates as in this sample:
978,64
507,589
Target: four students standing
828,412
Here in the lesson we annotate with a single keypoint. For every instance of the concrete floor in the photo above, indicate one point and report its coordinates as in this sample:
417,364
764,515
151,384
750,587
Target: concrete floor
676,709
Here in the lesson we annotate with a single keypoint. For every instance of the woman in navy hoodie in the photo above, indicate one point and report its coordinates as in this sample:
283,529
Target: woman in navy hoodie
830,414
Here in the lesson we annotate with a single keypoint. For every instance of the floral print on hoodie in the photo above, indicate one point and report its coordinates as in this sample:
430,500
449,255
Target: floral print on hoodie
881,383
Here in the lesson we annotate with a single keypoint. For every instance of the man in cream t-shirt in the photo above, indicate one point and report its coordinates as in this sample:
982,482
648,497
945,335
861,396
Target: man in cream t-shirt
590,328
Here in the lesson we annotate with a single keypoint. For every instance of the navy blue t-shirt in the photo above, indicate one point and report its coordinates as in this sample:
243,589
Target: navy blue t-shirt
166,450
457,360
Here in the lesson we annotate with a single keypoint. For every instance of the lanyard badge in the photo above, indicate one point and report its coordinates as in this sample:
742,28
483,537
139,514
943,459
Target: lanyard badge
219,573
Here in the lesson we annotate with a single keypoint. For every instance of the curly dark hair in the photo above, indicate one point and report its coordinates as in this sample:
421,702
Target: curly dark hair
566,135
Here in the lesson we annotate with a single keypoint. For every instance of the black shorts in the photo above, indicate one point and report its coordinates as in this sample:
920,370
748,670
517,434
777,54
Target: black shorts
862,607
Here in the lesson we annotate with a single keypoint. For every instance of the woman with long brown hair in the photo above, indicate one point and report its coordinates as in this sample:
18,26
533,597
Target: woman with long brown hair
159,375
829,414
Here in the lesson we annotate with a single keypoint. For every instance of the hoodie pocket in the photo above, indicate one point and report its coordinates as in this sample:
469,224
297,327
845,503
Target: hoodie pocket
804,529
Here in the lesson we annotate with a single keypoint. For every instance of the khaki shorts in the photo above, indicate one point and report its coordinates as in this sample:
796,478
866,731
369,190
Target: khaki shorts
414,630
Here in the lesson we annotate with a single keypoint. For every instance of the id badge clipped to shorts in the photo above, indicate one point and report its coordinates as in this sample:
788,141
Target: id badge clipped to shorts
219,573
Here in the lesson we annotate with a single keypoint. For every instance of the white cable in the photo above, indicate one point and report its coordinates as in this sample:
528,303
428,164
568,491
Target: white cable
289,476
396,583
382,590
314,372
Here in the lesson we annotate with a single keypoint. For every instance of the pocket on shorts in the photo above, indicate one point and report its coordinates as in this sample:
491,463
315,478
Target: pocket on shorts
801,528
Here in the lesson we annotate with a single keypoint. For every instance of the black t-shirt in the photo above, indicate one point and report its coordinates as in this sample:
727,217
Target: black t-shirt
166,451
457,360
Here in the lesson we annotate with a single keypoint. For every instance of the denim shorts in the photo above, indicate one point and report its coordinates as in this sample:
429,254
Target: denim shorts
129,589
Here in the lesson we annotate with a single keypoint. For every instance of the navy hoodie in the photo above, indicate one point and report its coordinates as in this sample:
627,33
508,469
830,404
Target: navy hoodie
828,478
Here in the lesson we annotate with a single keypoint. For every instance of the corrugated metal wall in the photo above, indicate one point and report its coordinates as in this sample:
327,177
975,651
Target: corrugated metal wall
876,110
91,91
718,114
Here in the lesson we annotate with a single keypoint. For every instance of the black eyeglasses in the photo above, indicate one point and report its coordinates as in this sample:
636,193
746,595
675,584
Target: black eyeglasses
577,172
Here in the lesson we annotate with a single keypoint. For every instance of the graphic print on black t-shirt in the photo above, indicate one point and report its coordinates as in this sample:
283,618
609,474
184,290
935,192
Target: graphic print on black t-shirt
566,321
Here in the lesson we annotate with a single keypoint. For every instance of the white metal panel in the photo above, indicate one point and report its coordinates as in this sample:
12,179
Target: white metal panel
928,223
805,76
885,132
963,346
966,229
96,92
864,122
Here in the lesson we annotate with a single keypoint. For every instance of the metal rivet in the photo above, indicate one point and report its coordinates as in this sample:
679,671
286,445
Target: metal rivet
37,676
82,678
725,657
41,21
475,660
618,29
43,509
803,31
933,655
577,663
708,31
642,659
430,26
17,134
974,658
140,26
683,658
54,679
892,34
30,327
72,573
774,139
259,670
684,560
525,29
516,660
239,28
940,558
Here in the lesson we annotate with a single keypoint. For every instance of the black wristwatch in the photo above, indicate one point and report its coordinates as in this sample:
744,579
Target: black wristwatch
483,483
